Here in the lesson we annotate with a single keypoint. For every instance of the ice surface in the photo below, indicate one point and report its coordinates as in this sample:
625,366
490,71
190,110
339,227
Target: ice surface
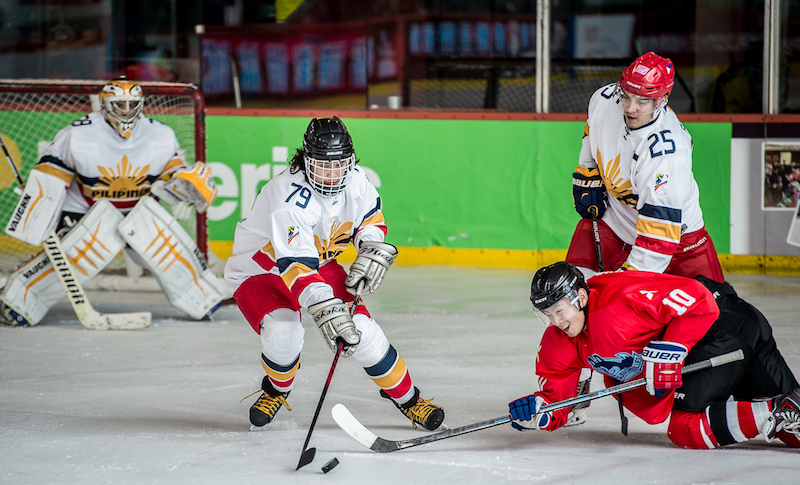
162,405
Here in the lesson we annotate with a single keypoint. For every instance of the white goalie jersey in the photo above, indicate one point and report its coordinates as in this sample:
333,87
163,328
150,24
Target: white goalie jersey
96,163
292,231
653,197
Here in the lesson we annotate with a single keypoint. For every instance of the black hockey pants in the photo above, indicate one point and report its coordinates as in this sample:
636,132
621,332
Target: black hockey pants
762,374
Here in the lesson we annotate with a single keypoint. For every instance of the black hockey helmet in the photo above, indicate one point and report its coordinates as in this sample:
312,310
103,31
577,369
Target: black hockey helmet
327,139
553,283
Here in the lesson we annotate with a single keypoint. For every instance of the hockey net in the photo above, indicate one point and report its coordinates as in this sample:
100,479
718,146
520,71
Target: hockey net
32,111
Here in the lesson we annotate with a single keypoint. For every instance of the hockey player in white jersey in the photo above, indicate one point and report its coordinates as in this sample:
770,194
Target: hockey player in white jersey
284,259
92,185
635,175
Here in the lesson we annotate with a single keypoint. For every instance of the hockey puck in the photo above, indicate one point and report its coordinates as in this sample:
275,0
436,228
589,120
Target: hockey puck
330,465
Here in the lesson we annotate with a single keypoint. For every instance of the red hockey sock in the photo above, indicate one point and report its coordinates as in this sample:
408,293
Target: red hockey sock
691,430
721,424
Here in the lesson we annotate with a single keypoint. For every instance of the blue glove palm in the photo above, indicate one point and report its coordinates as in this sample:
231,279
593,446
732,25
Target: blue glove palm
589,193
524,409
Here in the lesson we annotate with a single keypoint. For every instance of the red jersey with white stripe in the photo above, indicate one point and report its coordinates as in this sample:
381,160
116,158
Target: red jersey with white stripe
292,231
653,196
626,311
96,163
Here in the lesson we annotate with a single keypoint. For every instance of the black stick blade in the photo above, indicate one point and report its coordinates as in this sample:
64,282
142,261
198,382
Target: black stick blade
306,457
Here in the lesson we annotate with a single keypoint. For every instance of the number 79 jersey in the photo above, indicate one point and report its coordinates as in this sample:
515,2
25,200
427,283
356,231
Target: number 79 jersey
292,231
653,196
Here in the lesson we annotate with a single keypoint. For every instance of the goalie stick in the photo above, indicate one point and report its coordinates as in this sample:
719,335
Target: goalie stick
345,419
87,315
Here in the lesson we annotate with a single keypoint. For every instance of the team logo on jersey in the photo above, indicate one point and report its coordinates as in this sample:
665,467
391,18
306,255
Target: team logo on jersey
340,235
617,185
121,182
661,183
647,294
622,367
293,237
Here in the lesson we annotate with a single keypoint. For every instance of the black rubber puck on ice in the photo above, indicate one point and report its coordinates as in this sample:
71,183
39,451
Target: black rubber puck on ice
330,465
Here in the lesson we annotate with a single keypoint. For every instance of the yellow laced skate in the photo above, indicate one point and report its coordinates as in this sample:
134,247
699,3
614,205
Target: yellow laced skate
267,405
420,411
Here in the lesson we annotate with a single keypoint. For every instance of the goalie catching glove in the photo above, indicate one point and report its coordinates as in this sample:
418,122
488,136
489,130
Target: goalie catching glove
334,321
193,185
373,260
663,366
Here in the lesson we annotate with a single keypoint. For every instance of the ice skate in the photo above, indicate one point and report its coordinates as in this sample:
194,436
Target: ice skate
577,414
785,415
265,408
420,411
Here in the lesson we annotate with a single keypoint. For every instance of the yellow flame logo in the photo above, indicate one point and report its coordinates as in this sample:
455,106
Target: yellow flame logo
339,237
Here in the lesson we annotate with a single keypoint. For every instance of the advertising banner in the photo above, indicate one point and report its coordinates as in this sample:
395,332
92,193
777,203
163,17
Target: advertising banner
451,183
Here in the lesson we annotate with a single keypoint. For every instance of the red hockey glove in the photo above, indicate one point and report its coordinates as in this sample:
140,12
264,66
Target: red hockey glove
663,364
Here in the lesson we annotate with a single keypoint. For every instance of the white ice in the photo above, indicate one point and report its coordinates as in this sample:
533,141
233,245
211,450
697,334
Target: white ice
162,405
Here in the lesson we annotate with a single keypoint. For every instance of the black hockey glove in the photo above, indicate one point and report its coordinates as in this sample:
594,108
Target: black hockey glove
589,192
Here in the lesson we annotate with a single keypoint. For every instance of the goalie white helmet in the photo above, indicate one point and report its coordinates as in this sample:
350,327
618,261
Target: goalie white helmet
121,101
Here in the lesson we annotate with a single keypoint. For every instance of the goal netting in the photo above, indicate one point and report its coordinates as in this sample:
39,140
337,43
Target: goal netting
33,110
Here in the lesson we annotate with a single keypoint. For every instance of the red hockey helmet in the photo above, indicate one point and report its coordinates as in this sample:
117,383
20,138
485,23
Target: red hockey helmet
650,76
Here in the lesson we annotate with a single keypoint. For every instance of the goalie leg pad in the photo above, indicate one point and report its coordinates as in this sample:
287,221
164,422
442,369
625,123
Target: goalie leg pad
39,208
89,246
33,289
174,260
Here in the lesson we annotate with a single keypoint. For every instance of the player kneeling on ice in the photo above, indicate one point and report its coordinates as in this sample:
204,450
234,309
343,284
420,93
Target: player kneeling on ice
92,185
284,259
633,324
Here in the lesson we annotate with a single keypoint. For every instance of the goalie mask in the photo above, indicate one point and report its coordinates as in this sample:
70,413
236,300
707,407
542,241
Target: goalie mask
328,155
554,283
121,101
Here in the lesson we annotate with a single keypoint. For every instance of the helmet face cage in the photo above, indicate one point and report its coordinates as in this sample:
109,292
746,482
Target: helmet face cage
329,177
328,156
122,101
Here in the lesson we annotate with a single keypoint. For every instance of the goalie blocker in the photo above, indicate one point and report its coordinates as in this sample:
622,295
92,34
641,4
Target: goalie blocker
162,246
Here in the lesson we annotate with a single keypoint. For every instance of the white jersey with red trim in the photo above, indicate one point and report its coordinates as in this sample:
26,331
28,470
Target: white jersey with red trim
96,163
292,231
653,196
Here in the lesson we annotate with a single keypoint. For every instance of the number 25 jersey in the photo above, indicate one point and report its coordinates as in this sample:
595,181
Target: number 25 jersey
653,196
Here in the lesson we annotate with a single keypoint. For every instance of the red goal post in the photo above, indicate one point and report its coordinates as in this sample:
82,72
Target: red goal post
33,110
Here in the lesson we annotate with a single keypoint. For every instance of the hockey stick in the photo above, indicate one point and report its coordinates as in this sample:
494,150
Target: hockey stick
87,315
307,455
357,431
596,231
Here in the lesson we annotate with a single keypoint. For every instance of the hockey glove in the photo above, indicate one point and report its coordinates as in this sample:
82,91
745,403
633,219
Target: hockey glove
663,364
524,416
373,260
589,192
181,209
193,185
334,322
